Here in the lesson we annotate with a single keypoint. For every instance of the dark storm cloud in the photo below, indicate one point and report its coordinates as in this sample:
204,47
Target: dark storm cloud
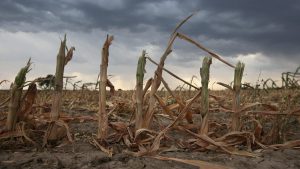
269,26
230,27
85,15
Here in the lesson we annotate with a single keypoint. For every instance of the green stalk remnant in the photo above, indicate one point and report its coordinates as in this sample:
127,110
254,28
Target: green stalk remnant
139,91
238,75
16,94
103,118
204,73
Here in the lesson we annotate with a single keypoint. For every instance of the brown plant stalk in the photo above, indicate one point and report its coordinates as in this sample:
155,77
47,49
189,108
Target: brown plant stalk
103,118
158,74
58,86
15,98
238,75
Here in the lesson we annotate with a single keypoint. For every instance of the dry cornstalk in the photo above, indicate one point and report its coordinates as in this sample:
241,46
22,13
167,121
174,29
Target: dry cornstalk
111,87
139,91
238,75
156,143
164,107
103,118
189,115
55,131
158,74
16,94
28,101
147,86
58,87
204,72
184,37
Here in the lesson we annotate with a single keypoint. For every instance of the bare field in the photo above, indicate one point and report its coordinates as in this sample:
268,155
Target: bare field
80,112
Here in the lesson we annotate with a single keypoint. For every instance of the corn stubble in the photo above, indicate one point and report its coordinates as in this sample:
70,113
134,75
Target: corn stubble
16,96
238,75
204,72
139,91
250,108
103,118
57,128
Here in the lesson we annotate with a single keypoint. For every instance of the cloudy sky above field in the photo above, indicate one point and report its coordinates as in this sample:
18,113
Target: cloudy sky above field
263,34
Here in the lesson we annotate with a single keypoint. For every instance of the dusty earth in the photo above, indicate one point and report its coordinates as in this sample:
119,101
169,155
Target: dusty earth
86,156
17,153
82,154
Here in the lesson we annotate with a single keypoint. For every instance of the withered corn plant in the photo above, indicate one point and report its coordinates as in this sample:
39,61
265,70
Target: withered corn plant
27,102
103,118
291,79
58,81
158,75
238,75
139,90
16,95
204,72
61,61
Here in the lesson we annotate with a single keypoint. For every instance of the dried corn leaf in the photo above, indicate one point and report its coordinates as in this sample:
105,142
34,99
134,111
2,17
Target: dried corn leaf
118,126
164,107
108,151
173,106
236,136
253,105
225,85
143,130
28,101
258,129
65,125
288,144
69,55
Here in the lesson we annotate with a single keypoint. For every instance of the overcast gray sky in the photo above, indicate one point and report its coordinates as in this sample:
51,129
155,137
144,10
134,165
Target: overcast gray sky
264,34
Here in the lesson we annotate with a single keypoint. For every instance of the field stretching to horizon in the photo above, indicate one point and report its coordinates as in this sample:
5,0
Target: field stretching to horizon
55,121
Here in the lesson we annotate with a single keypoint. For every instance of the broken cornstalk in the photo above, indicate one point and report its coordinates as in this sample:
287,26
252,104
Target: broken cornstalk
139,91
204,72
238,75
188,39
158,75
103,118
53,132
58,81
16,94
